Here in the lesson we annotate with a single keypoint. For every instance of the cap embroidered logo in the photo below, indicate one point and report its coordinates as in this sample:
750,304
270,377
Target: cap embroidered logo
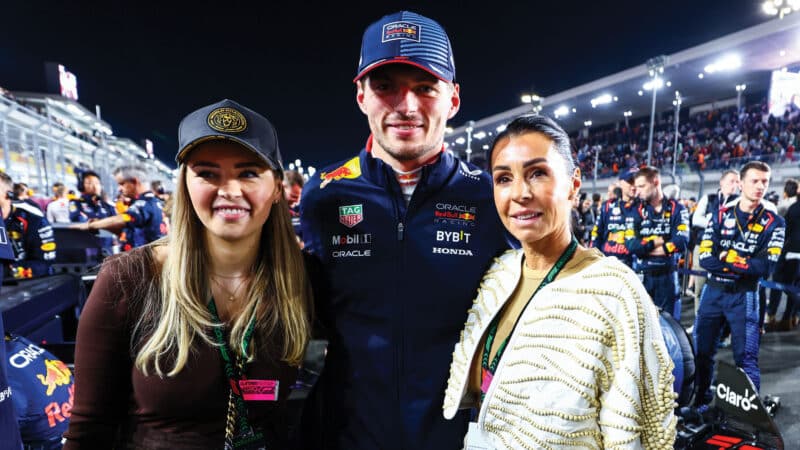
227,120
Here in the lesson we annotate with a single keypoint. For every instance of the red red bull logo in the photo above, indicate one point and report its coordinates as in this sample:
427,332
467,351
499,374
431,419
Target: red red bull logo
58,413
350,170
57,374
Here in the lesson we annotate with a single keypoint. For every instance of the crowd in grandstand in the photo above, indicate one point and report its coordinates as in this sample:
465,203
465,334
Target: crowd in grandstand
714,139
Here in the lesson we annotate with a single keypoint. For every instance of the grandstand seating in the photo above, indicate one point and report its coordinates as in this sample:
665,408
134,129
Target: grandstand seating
710,140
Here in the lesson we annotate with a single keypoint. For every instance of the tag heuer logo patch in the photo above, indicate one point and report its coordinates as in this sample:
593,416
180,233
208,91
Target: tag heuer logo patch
351,215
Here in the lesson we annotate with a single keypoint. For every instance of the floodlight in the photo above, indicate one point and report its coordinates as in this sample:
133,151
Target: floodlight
561,111
659,83
602,100
727,62
460,140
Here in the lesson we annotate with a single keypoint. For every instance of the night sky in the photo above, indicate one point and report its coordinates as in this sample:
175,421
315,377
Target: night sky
147,64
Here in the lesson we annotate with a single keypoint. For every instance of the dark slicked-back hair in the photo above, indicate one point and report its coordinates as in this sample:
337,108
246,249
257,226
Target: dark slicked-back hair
649,172
754,165
6,178
534,123
790,187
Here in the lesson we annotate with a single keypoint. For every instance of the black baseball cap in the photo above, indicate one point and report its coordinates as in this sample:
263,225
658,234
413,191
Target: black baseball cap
407,38
628,174
228,120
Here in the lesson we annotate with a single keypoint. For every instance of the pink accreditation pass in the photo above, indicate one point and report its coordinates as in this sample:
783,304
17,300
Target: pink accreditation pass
259,390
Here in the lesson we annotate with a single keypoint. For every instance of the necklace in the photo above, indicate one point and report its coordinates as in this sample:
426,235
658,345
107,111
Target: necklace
231,295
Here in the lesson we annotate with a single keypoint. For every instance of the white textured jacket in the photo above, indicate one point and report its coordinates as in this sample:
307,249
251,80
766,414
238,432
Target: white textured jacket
585,368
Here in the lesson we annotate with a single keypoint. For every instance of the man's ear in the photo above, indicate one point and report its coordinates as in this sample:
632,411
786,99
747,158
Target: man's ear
360,95
455,101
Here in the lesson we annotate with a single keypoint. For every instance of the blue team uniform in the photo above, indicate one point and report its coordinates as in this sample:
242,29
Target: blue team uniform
398,280
89,207
43,392
660,275
753,243
144,221
608,233
9,429
31,237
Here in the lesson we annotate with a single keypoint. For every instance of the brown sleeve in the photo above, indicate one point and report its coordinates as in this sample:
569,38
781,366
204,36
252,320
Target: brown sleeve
102,364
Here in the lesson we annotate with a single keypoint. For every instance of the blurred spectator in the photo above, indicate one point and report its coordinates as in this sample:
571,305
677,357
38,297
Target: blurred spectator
293,190
789,196
293,187
91,205
58,209
23,194
143,220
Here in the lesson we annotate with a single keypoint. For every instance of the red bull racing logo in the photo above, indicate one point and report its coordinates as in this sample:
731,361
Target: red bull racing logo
350,170
454,214
400,30
57,374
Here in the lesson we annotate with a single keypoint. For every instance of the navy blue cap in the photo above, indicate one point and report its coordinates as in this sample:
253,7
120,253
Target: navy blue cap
228,120
407,38
628,174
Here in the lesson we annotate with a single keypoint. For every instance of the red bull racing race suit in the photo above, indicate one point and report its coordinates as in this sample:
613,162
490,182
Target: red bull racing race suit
738,248
397,283
608,234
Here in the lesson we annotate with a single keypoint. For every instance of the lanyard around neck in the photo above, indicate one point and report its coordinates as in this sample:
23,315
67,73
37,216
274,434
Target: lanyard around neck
234,371
488,368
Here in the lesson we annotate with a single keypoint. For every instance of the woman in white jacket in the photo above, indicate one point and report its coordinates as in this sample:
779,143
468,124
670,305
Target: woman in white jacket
562,347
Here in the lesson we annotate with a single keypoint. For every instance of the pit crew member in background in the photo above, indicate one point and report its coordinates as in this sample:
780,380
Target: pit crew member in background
740,245
91,205
657,238
143,221
30,234
608,234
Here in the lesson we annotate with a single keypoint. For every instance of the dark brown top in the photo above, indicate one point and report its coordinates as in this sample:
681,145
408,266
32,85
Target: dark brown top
115,401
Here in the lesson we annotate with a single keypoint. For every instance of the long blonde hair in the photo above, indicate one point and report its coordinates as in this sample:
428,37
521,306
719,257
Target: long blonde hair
278,296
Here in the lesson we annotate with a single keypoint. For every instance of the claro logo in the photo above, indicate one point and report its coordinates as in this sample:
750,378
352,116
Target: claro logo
744,402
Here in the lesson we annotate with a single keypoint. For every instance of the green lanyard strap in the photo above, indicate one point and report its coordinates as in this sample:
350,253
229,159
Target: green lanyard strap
489,369
239,434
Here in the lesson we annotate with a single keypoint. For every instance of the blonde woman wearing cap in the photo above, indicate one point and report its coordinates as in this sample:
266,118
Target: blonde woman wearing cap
194,340
562,346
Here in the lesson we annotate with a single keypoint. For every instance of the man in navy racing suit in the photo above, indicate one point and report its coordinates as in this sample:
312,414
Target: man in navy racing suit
29,234
90,205
657,238
9,428
404,232
608,234
740,245
143,221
